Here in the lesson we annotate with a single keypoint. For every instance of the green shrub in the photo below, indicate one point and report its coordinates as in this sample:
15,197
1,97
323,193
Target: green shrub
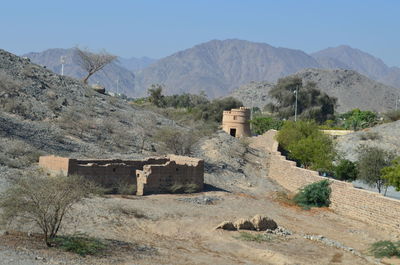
245,236
80,244
385,248
314,195
346,170
262,124
357,119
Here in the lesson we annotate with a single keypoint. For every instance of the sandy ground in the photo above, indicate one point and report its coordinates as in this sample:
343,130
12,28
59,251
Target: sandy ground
176,229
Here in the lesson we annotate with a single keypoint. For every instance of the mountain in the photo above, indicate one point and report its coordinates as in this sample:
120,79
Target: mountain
346,57
114,77
135,64
217,67
354,59
352,89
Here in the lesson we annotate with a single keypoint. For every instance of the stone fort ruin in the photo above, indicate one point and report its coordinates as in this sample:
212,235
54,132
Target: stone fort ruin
148,176
236,122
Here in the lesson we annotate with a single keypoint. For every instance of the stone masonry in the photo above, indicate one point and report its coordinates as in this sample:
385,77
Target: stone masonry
370,207
151,175
236,122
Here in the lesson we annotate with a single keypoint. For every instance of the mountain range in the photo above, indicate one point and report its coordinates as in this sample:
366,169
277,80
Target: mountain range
218,67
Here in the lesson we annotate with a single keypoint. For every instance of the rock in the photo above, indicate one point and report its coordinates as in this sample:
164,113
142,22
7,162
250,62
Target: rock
243,224
226,225
99,89
262,223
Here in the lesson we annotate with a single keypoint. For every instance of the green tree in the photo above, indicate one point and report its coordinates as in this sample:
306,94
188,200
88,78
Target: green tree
311,102
391,174
262,124
156,97
305,143
371,160
346,170
213,111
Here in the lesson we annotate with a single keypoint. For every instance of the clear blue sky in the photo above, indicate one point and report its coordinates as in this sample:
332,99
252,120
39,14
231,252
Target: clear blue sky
157,28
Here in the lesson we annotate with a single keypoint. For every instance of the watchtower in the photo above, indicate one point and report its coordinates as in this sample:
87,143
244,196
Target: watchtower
236,122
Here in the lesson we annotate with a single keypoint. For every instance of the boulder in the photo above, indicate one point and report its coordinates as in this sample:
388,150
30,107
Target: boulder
262,223
243,224
226,225
99,89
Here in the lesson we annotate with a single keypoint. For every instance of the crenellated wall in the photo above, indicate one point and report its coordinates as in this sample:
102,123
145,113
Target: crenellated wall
363,205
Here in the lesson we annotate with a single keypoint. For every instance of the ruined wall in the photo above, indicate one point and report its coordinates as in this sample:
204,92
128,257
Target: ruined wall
363,205
237,119
55,164
151,175
179,171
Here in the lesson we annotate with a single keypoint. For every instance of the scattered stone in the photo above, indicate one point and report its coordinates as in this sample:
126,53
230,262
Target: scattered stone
332,243
226,225
262,223
40,258
243,224
280,231
202,200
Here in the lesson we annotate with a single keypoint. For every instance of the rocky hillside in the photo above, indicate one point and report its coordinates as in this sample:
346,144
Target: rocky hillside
352,89
385,136
45,113
219,66
115,77
254,94
346,57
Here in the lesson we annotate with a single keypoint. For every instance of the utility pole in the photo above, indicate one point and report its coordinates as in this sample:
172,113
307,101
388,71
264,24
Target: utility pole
397,102
117,85
295,105
62,60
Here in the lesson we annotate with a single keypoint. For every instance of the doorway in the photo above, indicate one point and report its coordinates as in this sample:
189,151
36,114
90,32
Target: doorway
232,132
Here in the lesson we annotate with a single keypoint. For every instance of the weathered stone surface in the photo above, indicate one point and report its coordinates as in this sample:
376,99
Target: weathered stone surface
226,225
243,224
99,89
262,223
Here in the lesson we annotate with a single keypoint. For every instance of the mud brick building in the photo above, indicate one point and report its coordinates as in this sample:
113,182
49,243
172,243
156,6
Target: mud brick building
147,176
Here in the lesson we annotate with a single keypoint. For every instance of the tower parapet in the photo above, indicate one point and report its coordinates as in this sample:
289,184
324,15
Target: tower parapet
236,122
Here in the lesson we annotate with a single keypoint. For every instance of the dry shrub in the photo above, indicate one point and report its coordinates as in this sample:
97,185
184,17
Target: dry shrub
43,201
176,141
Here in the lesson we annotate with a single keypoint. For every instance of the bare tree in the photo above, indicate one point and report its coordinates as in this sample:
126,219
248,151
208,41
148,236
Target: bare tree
93,62
44,201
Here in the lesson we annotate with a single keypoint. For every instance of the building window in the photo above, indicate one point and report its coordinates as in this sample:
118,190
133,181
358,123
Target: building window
234,117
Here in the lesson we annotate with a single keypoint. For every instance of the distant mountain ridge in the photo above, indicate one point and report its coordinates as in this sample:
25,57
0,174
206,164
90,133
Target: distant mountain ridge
218,67
346,57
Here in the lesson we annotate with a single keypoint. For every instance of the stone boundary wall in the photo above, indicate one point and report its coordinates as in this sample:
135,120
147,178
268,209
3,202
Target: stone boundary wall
367,206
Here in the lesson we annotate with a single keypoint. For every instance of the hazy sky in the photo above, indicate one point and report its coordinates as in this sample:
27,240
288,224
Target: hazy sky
158,28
